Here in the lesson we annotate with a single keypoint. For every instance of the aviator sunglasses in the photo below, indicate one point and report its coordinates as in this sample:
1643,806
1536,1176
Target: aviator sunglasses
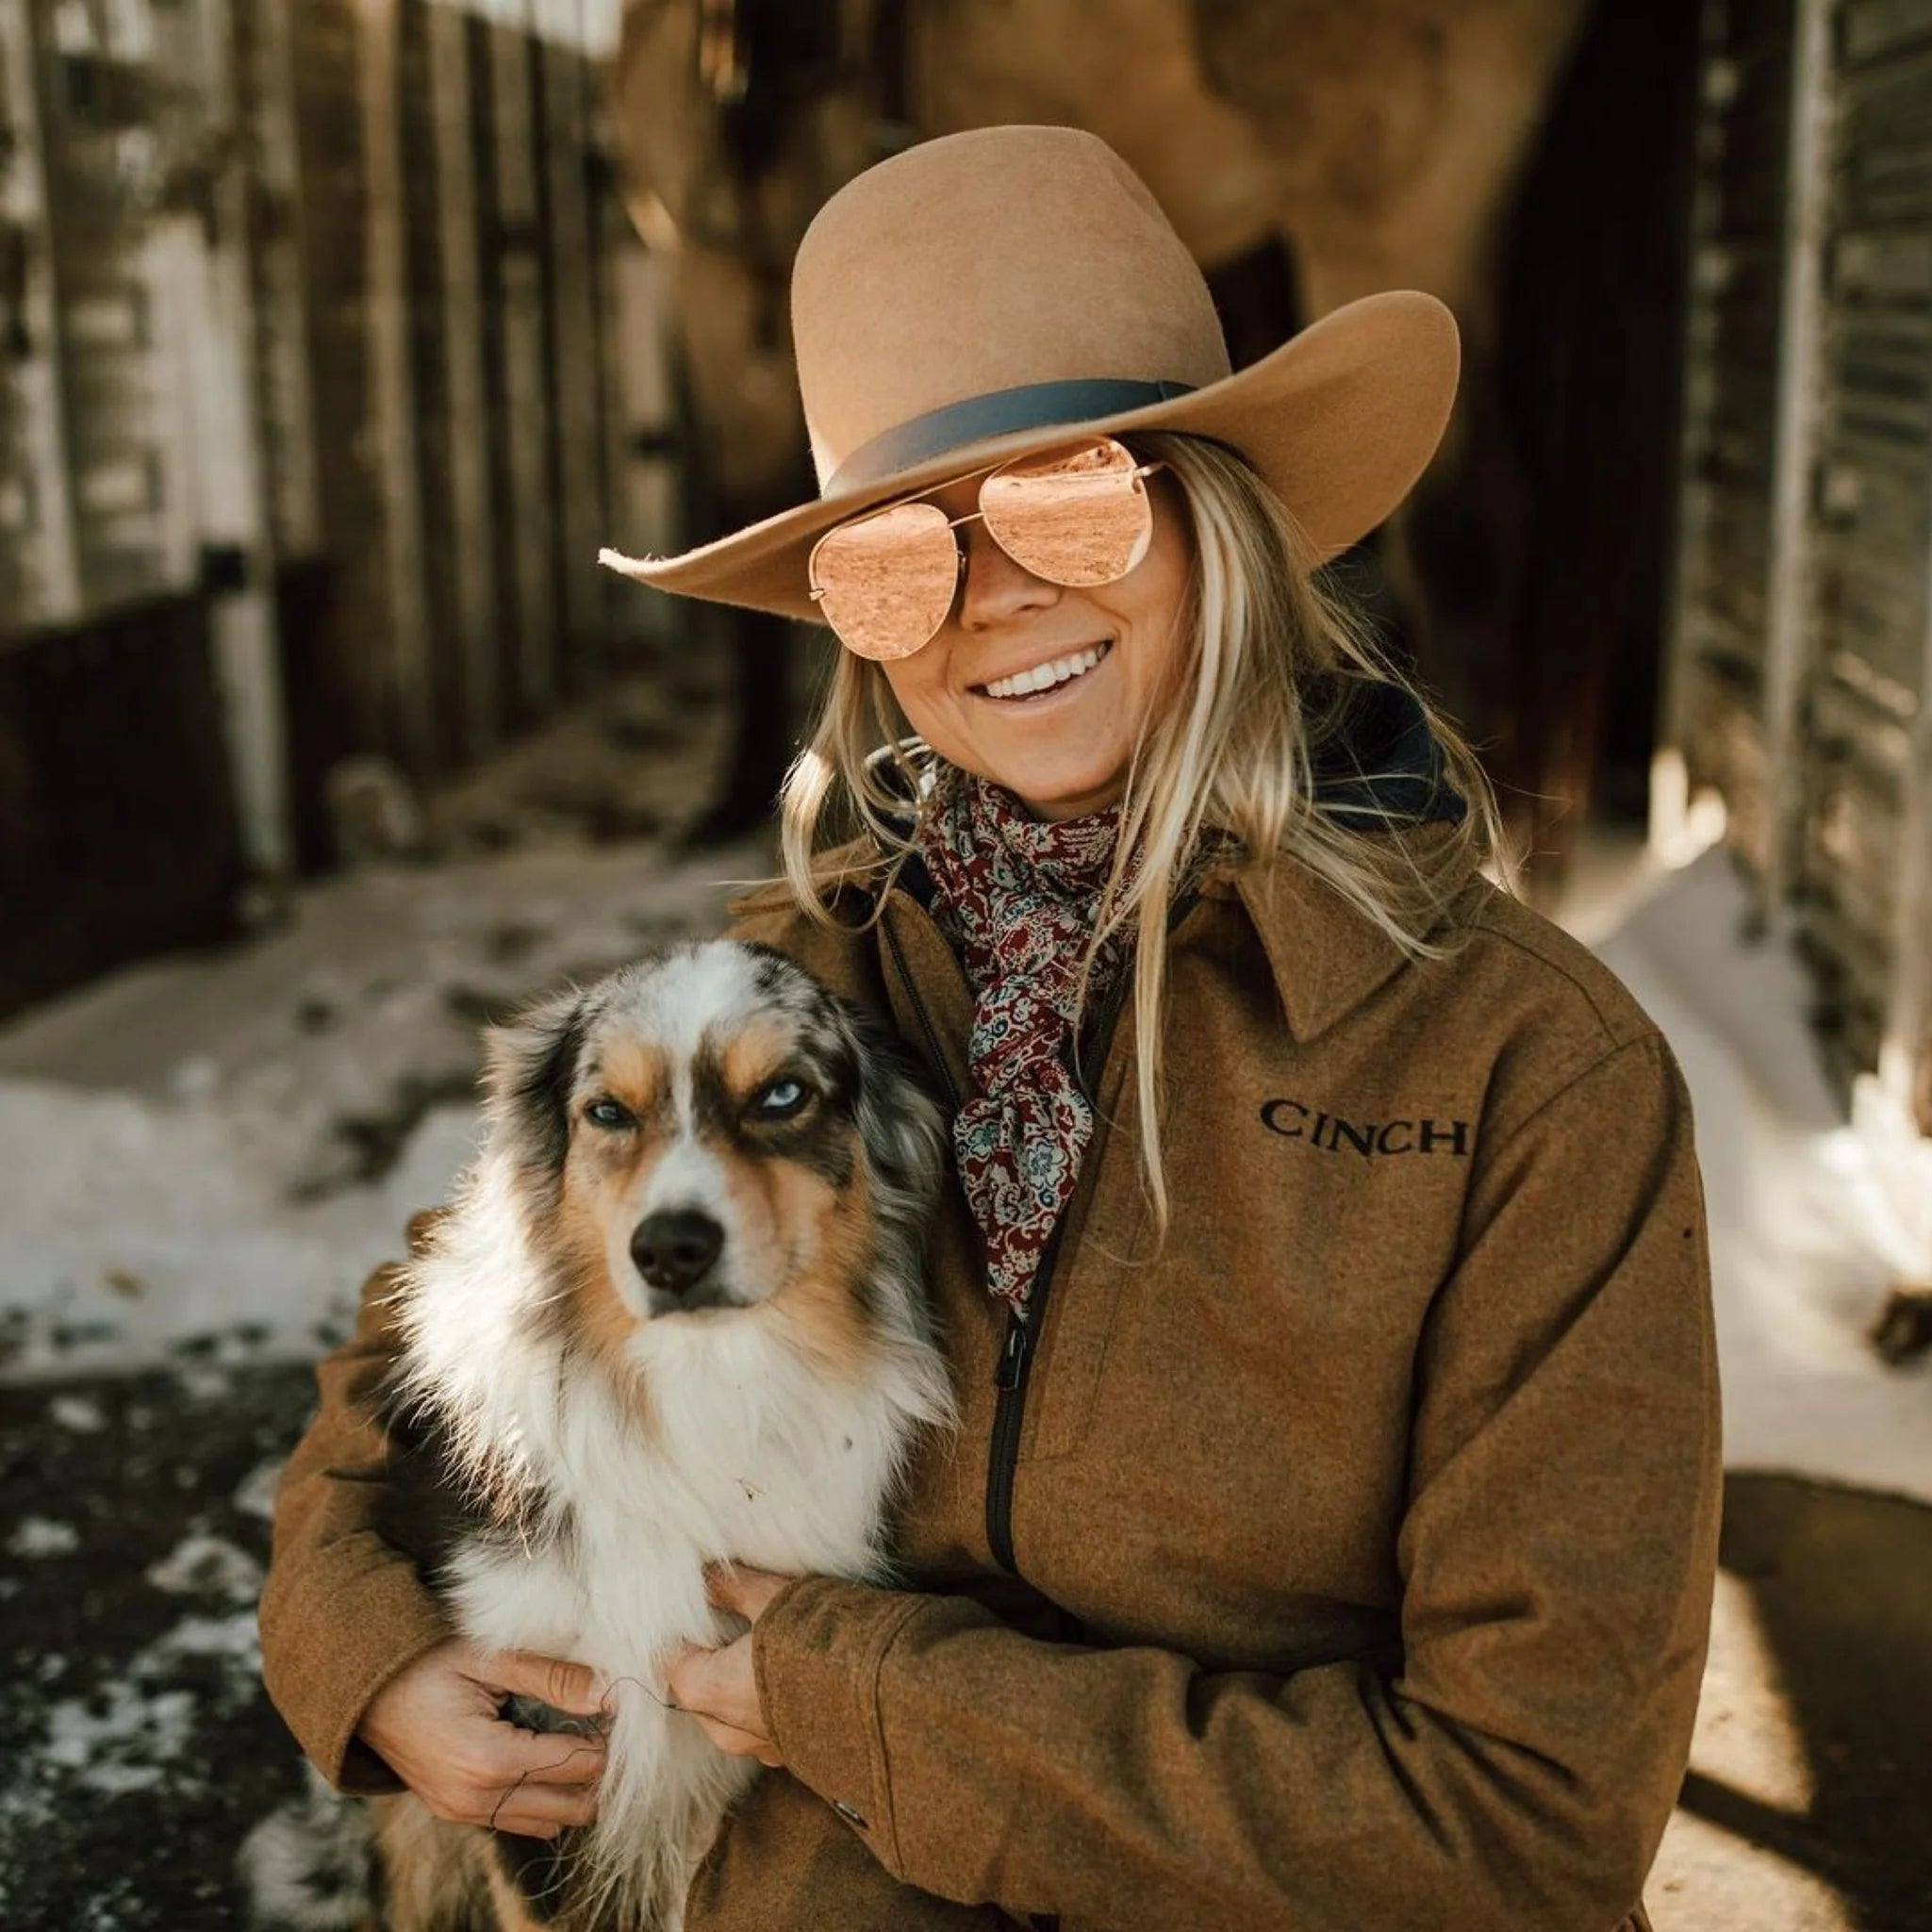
1077,516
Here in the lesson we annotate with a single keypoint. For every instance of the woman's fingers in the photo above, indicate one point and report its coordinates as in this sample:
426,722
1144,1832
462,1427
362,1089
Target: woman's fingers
533,1810
550,1758
553,1680
737,1743
436,1725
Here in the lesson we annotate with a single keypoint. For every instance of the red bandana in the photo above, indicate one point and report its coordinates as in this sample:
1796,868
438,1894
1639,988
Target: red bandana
1019,898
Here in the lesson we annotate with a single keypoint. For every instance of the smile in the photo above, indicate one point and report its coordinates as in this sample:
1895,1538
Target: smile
1047,677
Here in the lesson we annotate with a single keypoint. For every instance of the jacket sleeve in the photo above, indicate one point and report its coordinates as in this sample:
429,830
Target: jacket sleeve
342,1612
1555,1556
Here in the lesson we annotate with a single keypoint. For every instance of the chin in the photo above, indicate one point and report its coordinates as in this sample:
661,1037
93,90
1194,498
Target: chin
636,1347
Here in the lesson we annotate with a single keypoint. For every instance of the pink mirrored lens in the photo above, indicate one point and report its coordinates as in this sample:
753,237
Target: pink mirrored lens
1075,517
884,583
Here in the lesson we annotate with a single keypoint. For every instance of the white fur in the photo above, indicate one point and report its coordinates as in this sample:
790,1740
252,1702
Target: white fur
734,1442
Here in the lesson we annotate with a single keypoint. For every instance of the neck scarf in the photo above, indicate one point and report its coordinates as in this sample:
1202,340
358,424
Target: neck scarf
1019,899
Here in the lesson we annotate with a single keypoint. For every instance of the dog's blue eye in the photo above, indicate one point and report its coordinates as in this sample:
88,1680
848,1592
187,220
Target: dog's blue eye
608,1114
780,1100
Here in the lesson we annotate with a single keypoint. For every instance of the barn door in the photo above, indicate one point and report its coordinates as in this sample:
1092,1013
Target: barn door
1864,795
1801,679
1731,685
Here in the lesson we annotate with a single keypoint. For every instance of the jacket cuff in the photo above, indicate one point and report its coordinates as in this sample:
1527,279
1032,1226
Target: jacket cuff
816,1653
352,1646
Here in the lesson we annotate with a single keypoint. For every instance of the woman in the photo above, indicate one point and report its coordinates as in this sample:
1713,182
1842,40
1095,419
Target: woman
1329,1535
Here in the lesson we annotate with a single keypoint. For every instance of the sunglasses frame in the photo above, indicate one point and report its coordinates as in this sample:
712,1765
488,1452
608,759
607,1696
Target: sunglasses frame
1136,477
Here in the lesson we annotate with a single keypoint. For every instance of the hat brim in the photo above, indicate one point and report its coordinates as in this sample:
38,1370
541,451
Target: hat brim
1340,422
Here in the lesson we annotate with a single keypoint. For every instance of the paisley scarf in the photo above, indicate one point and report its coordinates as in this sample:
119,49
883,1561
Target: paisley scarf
1019,899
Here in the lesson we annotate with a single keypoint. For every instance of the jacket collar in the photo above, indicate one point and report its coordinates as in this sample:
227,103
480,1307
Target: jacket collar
1325,958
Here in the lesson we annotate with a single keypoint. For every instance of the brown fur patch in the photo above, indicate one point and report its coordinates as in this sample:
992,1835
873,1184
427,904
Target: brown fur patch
583,1228
593,1219
637,1072
512,1915
824,1304
753,1054
435,1875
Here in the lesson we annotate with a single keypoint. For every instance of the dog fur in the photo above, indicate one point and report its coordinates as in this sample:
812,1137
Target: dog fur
577,1442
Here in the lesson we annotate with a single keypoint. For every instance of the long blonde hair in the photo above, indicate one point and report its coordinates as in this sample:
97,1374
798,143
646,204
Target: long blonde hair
1273,662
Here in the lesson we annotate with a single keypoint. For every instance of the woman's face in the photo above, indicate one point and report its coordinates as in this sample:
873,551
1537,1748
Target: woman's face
1062,750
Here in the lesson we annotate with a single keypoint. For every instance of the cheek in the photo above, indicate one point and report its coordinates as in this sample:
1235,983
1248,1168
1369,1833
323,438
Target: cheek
1151,606
918,687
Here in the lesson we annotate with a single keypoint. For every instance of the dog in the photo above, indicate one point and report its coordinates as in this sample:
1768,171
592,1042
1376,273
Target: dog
675,1317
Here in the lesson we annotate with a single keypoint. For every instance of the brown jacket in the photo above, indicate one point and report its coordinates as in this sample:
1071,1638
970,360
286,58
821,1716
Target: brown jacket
1364,1535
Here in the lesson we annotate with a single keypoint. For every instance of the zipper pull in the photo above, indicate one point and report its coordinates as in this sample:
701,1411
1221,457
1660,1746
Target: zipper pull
1013,1358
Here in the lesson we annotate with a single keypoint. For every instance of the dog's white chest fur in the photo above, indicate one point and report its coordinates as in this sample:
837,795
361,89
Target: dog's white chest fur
742,1449
674,1320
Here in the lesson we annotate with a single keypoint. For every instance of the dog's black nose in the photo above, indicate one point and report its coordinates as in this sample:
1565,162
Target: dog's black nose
674,1249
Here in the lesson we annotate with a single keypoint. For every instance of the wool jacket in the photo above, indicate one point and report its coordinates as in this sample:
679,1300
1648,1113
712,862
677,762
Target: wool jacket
1343,1562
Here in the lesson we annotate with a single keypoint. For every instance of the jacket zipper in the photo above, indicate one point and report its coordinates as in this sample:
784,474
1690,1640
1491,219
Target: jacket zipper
1010,1376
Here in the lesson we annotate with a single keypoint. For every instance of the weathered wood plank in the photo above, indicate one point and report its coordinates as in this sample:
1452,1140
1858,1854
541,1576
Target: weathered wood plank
39,570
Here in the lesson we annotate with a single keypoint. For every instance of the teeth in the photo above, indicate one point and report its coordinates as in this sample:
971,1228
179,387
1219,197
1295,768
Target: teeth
1042,675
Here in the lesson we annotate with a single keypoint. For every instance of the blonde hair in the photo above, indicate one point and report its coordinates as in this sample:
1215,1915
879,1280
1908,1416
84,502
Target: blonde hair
1273,665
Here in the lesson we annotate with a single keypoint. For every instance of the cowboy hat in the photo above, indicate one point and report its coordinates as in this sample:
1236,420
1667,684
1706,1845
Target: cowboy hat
1000,291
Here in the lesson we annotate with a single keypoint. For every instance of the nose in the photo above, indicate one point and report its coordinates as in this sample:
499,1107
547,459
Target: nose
996,588
674,1249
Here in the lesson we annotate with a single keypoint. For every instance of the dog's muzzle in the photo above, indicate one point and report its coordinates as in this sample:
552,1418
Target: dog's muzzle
676,1251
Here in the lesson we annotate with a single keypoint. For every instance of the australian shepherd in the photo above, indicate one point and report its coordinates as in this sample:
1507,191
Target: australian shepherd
674,1317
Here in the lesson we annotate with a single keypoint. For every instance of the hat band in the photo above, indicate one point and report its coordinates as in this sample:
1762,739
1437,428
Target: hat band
1034,405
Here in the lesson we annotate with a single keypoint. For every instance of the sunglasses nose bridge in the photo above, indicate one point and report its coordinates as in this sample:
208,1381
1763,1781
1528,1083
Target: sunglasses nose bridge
994,584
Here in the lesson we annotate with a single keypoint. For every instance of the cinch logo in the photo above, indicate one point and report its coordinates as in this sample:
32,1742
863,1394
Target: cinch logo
1330,1133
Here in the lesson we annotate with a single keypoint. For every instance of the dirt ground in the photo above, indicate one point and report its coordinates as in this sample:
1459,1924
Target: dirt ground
1808,1803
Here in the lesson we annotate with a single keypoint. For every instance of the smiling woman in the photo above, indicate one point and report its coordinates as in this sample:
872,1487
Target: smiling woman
1328,1536
1042,687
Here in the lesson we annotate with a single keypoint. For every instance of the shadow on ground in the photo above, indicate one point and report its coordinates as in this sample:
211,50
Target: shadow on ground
1838,1584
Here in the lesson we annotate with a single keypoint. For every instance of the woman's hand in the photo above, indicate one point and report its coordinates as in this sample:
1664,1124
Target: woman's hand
435,1725
717,1687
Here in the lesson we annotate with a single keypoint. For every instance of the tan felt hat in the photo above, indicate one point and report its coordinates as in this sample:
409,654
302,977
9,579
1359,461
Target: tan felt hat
996,291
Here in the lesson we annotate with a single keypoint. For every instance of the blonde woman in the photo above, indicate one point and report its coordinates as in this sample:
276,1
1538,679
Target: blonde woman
1328,1538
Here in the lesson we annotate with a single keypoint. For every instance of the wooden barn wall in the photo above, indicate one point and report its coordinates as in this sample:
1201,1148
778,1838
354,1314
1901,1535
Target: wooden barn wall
1731,413
1803,629
1864,884
119,830
397,212
101,94
39,579
336,686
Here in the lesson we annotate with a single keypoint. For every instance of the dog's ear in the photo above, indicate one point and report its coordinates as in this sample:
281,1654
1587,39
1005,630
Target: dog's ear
899,1122
530,1067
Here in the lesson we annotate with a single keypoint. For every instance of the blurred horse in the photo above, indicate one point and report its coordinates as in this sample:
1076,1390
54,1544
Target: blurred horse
1352,144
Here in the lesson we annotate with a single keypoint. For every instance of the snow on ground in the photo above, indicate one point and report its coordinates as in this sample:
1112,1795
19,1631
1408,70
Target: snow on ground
212,1152
1806,1244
